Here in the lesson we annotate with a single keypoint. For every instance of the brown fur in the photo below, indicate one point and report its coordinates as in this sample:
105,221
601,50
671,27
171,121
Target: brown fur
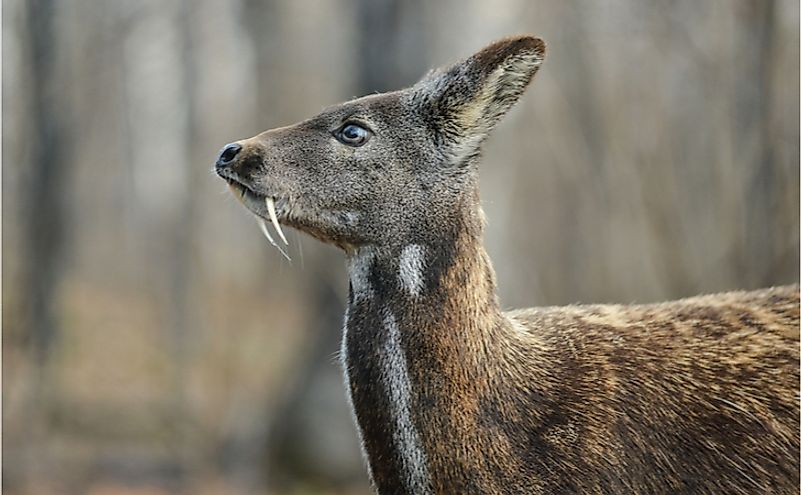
451,395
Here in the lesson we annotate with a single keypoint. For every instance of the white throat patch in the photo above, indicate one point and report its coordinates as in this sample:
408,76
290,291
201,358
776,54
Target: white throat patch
412,263
359,271
406,437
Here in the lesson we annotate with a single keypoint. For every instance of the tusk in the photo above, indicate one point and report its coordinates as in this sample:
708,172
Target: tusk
271,210
263,226
266,232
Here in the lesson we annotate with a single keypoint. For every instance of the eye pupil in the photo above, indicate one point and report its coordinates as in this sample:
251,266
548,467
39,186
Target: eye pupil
352,132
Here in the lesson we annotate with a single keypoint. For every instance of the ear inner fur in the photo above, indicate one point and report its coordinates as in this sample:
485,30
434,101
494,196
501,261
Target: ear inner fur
463,103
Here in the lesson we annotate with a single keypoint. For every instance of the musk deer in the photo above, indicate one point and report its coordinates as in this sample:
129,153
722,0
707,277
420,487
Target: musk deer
452,395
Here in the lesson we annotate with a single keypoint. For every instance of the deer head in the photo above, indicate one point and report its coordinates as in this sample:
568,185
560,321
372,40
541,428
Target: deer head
385,169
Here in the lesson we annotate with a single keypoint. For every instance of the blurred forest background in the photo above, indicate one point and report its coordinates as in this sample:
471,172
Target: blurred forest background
154,343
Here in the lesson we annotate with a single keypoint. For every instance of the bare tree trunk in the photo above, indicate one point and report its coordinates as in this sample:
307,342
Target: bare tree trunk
393,44
47,176
182,322
44,207
753,125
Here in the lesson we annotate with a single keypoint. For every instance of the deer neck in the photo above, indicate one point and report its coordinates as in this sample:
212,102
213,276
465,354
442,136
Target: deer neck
420,320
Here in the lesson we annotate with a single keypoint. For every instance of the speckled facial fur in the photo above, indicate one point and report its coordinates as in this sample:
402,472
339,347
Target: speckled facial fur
453,395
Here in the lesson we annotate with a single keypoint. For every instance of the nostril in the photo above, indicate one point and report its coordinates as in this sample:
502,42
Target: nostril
228,154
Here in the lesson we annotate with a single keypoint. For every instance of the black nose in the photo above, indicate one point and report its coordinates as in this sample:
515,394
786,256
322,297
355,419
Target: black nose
228,154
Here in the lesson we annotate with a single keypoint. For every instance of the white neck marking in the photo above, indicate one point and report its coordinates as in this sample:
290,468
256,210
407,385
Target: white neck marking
406,436
412,264
359,271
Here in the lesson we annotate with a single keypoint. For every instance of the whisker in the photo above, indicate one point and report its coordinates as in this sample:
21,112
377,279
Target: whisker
299,242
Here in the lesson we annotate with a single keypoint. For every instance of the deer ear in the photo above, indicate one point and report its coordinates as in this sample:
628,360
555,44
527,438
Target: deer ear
462,103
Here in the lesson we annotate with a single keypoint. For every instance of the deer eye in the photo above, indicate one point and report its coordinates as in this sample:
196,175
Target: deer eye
352,134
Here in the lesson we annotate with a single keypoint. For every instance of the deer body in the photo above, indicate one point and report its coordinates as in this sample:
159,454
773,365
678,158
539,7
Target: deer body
452,395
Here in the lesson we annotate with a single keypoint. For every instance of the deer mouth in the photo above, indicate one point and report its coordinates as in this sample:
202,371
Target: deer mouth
263,206
326,225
